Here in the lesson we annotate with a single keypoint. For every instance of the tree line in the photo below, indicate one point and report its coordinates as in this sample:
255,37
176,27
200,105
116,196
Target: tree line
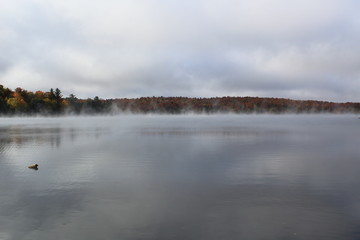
52,102
178,105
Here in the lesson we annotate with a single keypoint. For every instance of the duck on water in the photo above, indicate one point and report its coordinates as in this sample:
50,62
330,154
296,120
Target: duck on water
33,166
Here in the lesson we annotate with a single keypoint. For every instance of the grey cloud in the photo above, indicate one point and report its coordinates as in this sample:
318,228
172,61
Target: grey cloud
300,49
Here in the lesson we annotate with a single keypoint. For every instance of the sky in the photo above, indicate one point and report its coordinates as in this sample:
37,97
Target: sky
297,49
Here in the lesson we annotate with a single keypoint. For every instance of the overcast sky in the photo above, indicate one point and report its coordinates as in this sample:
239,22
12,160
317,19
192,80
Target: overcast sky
301,49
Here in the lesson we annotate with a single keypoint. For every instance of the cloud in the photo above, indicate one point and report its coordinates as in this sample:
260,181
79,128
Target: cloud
297,49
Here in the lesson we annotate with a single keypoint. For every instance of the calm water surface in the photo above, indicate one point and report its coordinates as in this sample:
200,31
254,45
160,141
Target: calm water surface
180,177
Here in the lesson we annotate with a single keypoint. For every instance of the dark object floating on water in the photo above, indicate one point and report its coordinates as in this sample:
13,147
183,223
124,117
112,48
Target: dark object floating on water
34,166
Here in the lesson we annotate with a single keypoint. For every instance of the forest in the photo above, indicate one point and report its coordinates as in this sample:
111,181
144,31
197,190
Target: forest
52,102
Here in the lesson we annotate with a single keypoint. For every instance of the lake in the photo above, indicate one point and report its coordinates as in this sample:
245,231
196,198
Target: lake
182,177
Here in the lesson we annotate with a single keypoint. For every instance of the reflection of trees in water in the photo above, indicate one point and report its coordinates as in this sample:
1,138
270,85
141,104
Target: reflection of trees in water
223,132
19,136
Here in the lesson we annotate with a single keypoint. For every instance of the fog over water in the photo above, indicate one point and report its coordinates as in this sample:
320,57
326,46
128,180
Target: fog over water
180,177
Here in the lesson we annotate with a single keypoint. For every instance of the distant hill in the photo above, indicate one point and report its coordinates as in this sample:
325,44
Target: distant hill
25,102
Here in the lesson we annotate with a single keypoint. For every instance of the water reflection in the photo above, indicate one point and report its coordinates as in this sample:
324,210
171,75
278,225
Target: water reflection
20,136
182,178
35,213
209,132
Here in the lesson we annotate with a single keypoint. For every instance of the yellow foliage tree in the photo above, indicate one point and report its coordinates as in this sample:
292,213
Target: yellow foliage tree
17,104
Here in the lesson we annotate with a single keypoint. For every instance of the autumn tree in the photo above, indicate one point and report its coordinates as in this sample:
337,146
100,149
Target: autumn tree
5,93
